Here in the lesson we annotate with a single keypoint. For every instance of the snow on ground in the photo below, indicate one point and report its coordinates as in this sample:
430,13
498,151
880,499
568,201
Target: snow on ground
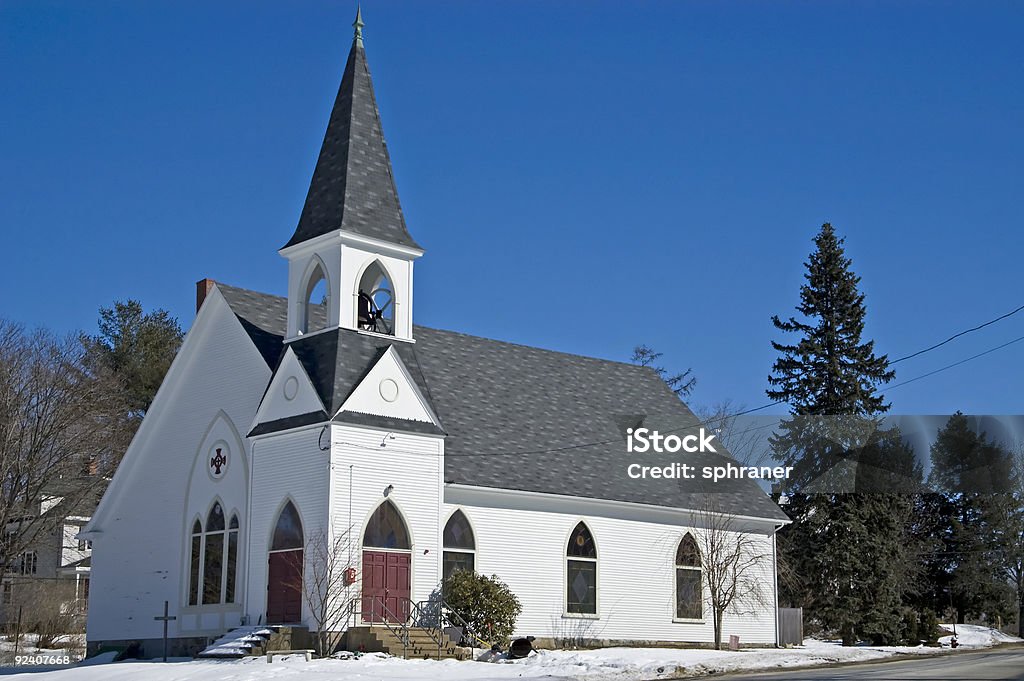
71,646
973,636
607,664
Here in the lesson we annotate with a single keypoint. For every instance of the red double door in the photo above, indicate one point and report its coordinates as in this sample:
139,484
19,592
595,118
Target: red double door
386,586
284,587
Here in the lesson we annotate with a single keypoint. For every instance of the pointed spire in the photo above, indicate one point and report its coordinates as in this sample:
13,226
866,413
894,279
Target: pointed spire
358,26
353,187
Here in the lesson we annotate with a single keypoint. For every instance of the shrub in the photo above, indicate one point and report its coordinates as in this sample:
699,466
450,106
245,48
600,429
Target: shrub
911,628
930,631
487,604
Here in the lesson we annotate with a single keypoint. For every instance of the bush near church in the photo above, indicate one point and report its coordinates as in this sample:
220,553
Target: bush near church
489,606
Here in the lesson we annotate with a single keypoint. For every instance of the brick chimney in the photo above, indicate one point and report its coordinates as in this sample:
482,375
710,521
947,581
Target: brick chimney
203,288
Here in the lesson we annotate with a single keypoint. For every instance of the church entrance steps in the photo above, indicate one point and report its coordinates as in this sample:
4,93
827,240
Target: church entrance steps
420,643
256,640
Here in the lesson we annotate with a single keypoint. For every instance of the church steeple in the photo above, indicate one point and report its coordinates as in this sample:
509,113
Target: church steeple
353,187
350,261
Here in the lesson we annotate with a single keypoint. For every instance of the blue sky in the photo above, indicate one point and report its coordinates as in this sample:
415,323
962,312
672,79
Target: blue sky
584,176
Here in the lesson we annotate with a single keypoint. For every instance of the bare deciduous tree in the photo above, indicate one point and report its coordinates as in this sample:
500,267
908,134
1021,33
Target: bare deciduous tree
324,589
60,421
733,562
748,443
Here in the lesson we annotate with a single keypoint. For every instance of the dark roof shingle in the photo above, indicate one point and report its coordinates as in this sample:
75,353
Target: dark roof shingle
353,186
518,417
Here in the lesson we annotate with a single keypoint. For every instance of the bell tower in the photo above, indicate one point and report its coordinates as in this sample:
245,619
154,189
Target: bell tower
350,260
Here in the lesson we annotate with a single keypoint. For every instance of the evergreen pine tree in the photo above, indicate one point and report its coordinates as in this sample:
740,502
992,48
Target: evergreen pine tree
848,550
973,478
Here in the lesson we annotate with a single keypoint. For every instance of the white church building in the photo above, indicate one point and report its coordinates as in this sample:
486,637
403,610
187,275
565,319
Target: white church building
328,411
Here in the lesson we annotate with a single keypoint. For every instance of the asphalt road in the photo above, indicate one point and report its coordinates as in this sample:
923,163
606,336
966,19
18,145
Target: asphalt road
1003,664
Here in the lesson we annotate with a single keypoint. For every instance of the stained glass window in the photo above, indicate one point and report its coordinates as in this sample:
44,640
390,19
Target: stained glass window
288,531
459,546
386,529
689,604
232,564
581,572
197,539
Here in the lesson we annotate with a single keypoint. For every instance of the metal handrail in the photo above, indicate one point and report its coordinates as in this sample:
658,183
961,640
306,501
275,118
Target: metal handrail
461,622
400,628
402,633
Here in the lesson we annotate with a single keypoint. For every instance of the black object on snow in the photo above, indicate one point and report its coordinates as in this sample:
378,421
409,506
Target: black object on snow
521,647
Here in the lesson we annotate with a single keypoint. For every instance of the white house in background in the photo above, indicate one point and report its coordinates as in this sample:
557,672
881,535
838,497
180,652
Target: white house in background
329,411
57,562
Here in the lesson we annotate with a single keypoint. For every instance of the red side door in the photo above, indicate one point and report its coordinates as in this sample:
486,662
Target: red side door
284,587
387,585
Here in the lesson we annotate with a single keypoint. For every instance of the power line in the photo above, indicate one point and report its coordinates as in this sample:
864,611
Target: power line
957,335
583,445
955,364
553,450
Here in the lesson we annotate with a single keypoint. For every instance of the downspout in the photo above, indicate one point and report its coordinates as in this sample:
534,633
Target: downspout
248,532
775,575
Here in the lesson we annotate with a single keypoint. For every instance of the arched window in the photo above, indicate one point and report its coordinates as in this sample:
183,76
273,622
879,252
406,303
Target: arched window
581,572
288,531
689,604
459,546
213,560
376,305
213,555
193,579
232,565
314,313
285,567
386,529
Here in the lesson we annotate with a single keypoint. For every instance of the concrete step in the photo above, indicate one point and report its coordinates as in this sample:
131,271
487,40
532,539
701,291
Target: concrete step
257,640
239,642
420,646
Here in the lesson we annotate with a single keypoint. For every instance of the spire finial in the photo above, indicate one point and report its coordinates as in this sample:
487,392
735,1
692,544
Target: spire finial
358,25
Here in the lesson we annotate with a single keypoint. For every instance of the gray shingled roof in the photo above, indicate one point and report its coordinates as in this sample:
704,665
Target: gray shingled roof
353,188
516,417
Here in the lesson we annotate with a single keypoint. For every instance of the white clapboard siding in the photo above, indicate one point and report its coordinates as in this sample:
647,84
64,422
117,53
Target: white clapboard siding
411,465
636,573
139,530
286,466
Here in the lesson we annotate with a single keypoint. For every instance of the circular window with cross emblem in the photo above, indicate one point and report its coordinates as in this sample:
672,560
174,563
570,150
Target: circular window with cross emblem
217,460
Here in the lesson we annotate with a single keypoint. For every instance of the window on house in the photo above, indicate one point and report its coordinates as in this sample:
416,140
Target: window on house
689,604
459,546
8,541
197,538
83,589
386,529
27,563
7,591
581,572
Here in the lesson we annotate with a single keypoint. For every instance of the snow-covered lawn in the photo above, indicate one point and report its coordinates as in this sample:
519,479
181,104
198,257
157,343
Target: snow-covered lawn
608,664
70,647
